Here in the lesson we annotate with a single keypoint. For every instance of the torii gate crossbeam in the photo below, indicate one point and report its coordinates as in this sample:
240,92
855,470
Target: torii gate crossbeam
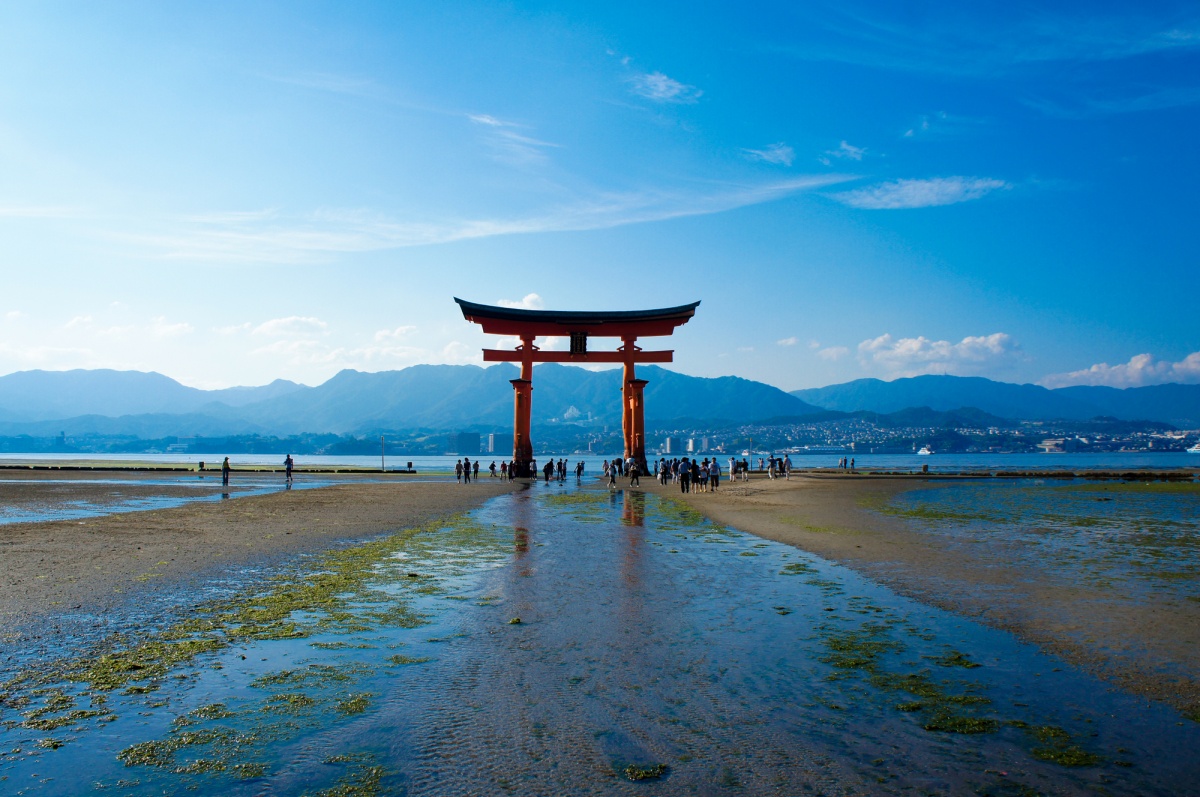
578,326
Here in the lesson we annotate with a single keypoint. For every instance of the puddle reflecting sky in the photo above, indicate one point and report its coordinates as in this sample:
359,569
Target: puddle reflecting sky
650,643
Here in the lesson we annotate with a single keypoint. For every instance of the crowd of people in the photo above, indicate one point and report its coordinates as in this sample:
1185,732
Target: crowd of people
466,470
691,474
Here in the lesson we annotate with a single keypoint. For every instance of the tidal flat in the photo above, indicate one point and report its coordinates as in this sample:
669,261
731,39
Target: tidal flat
571,640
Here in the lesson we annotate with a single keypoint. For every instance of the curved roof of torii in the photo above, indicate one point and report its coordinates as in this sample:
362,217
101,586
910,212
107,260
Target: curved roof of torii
618,323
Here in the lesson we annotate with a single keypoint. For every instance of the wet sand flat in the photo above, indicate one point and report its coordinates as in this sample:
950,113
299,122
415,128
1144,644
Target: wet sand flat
1146,641
91,564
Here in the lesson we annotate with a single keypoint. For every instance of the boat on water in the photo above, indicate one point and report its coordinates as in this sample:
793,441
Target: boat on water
1194,449
925,451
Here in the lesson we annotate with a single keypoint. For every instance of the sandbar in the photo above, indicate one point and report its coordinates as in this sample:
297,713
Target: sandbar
1146,643
95,565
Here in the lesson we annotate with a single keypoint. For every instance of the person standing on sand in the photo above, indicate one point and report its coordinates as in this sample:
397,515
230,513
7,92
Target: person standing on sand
466,470
225,472
476,468
714,475
458,471
635,471
287,469
685,476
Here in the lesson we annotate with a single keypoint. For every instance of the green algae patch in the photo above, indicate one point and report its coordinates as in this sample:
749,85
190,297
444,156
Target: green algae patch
797,569
858,649
362,781
399,660
1058,747
355,704
954,659
635,773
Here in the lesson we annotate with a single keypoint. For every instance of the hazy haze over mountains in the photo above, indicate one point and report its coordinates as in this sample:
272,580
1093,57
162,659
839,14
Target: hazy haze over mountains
79,402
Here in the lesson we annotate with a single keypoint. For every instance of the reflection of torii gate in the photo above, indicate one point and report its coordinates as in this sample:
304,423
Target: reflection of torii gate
528,325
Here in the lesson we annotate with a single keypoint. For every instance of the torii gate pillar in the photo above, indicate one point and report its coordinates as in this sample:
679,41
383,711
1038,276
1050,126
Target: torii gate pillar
528,325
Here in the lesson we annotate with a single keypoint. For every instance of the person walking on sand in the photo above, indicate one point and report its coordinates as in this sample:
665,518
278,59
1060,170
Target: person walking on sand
287,469
458,471
475,467
635,471
225,472
685,476
714,475
466,470
612,475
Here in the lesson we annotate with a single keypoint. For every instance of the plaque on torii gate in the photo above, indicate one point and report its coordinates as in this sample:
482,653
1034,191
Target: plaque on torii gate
578,327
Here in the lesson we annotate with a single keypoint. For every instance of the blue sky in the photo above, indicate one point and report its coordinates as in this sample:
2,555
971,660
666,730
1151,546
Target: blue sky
228,193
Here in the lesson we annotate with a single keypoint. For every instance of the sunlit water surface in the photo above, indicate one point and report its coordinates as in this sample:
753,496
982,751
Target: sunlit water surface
566,641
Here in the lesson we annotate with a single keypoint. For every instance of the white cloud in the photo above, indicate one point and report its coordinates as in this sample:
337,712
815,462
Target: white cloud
60,356
291,326
456,353
531,302
778,153
746,349
660,88
932,192
12,316
79,321
161,329
920,355
234,329
833,353
844,151
1142,369
394,334
787,341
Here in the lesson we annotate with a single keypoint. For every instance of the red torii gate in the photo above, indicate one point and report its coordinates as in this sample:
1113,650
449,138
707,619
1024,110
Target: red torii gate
578,326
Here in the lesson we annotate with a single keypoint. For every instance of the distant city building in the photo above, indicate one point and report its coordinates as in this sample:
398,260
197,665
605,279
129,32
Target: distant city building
464,443
672,445
704,444
492,443
691,445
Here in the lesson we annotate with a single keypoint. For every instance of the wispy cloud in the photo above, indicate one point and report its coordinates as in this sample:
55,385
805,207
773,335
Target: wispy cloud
394,334
833,353
660,88
844,151
314,237
1142,369
993,42
508,144
787,341
779,153
293,325
1082,105
531,302
161,328
932,192
920,355
940,125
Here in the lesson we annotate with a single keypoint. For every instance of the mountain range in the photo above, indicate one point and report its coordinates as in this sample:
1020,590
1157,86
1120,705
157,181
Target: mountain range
45,403
1175,404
